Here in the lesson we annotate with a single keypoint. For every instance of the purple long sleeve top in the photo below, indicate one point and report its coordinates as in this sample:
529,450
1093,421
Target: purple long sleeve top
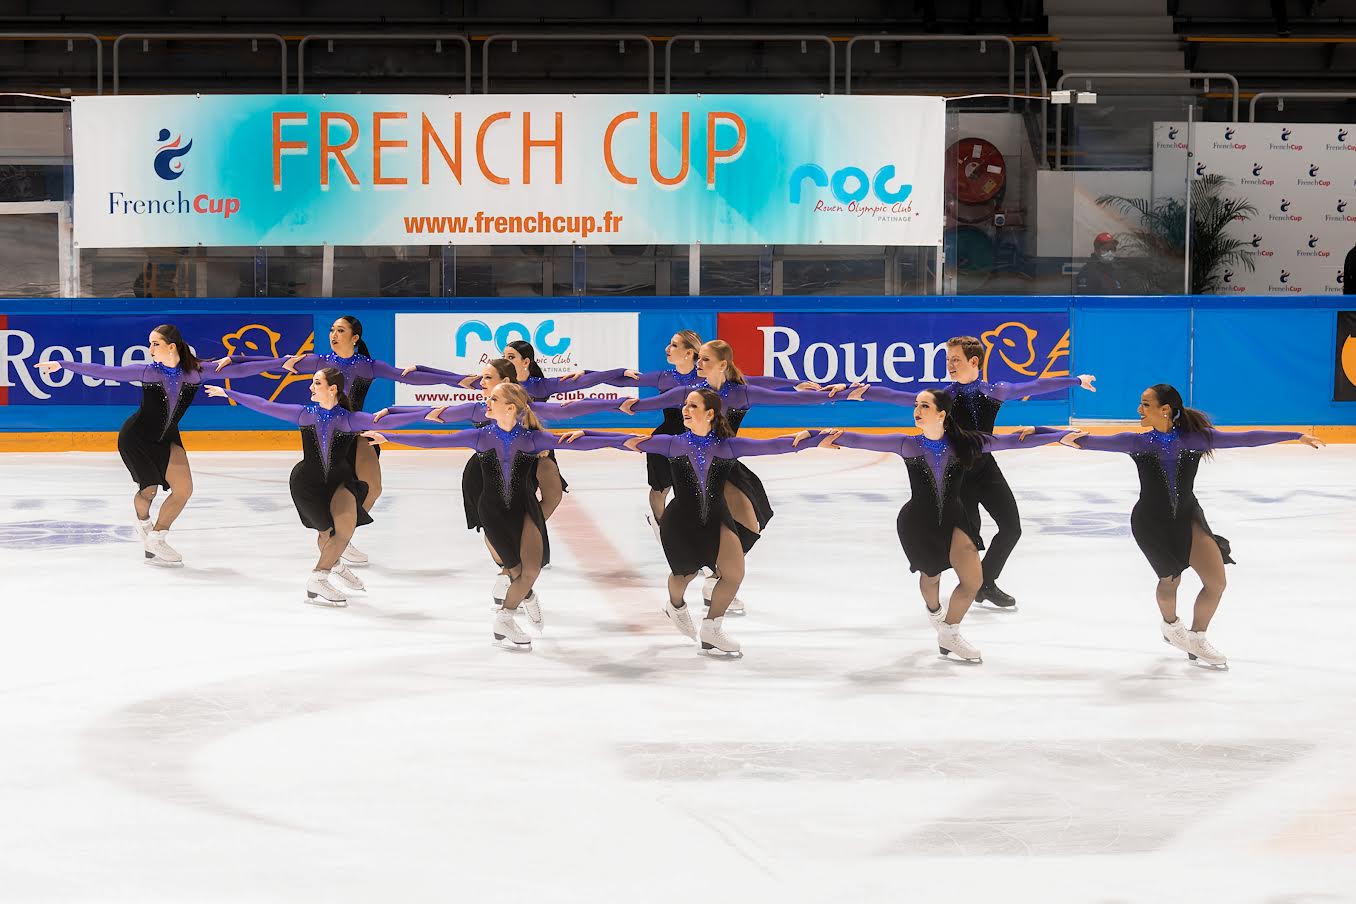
938,453
328,422
977,402
703,450
474,412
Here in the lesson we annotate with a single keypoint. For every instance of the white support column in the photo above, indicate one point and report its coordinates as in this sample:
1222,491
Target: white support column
327,270
694,268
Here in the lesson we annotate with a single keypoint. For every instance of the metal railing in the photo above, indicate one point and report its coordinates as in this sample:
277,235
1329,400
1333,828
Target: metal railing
1033,55
68,37
203,36
1131,76
587,36
753,39
435,39
981,40
1286,95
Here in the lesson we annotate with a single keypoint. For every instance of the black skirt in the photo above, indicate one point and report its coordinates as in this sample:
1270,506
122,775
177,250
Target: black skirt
501,516
146,457
1165,537
313,487
927,522
690,528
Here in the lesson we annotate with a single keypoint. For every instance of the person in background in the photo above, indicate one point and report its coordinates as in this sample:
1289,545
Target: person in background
1100,275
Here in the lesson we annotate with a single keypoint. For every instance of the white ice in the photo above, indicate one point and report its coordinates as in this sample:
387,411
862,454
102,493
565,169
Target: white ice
202,735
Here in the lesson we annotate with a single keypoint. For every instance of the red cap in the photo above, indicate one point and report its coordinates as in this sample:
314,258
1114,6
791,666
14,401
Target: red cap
1105,238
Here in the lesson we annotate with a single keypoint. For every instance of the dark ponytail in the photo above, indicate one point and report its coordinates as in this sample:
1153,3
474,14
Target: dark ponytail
530,354
720,425
187,360
335,377
966,445
1188,420
360,347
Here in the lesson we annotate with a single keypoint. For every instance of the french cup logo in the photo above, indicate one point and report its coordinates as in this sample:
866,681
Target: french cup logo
1313,178
1285,144
1285,134
1341,144
1341,206
1314,250
1255,241
1228,276
1313,241
1228,134
1200,169
1285,276
1257,169
1341,216
1172,134
1341,135
1285,285
168,165
1285,216
1257,177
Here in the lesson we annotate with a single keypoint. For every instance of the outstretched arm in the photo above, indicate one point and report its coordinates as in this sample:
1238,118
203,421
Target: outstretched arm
1116,442
590,378
1221,439
1006,391
280,410
1038,436
898,443
238,368
557,411
125,373
743,447
581,440
403,416
416,376
461,439
757,395
673,398
890,396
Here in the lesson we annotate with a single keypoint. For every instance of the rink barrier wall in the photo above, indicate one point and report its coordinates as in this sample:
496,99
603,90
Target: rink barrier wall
1255,361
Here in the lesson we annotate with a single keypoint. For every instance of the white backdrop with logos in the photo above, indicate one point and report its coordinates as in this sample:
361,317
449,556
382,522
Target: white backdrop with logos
563,343
1300,177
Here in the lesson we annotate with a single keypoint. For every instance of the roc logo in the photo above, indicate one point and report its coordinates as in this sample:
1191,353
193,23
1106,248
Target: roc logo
838,183
507,332
168,165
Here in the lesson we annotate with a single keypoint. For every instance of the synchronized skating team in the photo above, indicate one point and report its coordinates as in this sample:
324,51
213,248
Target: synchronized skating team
512,484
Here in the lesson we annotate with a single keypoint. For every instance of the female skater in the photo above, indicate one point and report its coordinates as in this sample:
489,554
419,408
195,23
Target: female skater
149,441
718,372
682,352
932,526
522,357
506,451
709,522
499,371
349,356
1167,521
326,490
977,405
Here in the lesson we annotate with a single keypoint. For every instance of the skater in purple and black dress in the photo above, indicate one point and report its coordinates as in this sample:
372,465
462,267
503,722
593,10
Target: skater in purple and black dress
349,355
977,405
738,394
709,523
149,441
1167,521
506,451
933,528
326,488
498,371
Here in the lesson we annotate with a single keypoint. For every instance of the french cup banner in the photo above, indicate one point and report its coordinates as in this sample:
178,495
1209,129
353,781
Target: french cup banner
313,169
1300,177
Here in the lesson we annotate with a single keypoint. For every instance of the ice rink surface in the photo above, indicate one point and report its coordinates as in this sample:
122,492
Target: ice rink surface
201,735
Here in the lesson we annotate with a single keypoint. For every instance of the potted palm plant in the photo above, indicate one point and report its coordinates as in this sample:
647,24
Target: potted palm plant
1160,239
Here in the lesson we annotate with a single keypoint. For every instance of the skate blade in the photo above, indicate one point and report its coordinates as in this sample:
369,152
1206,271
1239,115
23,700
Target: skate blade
1208,666
316,599
958,658
994,607
505,644
152,559
710,651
